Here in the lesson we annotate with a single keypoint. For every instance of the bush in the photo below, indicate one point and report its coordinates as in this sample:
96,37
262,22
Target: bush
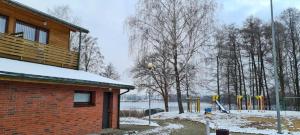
132,113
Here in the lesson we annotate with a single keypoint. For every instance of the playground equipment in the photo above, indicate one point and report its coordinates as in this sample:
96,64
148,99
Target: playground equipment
239,99
195,102
260,103
215,99
207,111
249,102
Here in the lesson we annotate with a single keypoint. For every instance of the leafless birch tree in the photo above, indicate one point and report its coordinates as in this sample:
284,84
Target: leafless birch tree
181,26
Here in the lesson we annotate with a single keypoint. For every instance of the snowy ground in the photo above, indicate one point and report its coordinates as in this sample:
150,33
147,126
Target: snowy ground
136,121
243,122
165,130
162,130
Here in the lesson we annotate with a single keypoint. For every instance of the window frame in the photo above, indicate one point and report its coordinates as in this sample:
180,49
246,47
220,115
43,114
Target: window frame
91,103
6,23
37,31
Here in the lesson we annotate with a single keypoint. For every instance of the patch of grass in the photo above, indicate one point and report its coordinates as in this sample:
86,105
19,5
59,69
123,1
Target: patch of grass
295,125
270,123
260,123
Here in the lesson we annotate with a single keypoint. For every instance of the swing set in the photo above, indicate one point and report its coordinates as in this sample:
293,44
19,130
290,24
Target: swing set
260,103
194,102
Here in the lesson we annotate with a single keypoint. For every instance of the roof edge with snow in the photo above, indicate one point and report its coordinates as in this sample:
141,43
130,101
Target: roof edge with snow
23,70
63,80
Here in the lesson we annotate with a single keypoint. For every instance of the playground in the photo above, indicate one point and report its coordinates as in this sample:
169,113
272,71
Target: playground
253,122
241,119
244,119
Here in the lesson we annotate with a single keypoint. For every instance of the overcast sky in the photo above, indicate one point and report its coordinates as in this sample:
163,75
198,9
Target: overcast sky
105,20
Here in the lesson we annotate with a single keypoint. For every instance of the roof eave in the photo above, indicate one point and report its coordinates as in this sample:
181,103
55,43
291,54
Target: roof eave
20,5
64,80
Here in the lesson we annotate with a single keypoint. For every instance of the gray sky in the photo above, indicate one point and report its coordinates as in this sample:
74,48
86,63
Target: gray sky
105,20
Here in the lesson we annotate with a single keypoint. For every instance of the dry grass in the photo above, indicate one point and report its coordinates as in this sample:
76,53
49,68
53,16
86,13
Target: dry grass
270,123
295,126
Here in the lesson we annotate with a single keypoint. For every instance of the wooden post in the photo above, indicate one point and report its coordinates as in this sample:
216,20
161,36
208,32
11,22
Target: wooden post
79,51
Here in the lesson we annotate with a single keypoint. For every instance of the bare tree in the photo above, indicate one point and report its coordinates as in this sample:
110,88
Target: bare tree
160,77
110,72
291,19
182,26
91,58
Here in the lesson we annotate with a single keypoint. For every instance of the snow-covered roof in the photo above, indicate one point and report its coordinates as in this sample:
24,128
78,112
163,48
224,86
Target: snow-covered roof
15,68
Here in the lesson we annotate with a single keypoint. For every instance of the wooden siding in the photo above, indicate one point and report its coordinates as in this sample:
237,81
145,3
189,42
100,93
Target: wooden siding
21,49
59,34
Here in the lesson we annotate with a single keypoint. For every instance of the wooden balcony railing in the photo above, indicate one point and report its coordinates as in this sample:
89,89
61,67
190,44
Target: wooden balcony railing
21,49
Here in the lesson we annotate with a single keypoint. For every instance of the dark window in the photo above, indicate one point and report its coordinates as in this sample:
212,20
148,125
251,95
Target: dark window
32,33
84,98
3,24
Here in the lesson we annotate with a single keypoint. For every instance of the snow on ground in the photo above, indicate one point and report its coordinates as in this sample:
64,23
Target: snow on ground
234,122
136,121
162,130
166,130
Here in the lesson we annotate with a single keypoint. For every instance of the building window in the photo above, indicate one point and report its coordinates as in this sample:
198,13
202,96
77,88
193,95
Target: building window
84,98
43,36
32,33
3,24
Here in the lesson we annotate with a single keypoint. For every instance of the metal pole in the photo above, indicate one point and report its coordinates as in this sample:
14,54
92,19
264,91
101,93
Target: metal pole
275,71
79,51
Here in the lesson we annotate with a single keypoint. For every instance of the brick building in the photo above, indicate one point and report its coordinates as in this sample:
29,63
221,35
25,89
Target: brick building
41,89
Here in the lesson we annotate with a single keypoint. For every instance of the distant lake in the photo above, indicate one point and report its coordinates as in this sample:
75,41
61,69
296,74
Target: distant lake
142,105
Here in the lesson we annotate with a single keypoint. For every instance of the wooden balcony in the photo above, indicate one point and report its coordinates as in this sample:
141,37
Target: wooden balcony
20,49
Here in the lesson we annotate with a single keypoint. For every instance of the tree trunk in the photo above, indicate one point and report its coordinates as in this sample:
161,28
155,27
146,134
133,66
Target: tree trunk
243,79
280,68
267,90
177,82
294,55
218,79
228,87
254,81
166,103
187,92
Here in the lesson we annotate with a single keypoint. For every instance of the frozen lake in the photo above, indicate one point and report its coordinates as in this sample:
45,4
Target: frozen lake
142,105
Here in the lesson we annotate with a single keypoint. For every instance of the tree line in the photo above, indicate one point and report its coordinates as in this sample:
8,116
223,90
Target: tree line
244,59
172,34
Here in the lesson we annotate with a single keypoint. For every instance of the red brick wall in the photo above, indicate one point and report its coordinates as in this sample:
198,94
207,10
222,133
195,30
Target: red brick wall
38,109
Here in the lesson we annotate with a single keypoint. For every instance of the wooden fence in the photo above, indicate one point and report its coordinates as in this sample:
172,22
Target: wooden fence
17,48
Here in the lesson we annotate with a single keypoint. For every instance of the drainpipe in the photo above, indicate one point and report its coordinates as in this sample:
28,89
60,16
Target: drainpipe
119,97
79,51
125,92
